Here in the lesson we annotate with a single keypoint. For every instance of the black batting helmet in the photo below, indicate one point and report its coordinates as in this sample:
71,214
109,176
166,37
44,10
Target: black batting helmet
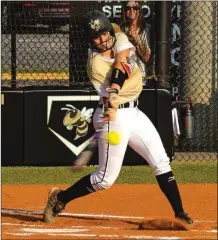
94,23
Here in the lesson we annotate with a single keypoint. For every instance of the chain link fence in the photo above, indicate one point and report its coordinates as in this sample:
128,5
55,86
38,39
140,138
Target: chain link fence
42,46
194,73
45,47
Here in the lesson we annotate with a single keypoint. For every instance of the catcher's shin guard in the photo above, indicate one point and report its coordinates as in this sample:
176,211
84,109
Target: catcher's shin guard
53,207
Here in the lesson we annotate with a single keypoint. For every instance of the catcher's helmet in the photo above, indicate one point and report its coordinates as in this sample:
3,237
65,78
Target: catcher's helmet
94,24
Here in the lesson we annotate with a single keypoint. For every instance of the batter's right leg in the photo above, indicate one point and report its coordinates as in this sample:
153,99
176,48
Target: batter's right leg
110,162
58,199
110,157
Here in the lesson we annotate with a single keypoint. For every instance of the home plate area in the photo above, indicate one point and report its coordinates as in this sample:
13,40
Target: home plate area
25,224
113,214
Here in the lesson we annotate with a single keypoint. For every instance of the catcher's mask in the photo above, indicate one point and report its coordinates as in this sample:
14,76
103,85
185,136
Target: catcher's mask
94,24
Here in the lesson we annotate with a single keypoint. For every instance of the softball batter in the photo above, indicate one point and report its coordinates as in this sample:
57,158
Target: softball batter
118,81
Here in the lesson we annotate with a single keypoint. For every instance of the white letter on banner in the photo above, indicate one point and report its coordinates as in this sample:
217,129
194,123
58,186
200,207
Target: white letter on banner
173,60
117,11
175,32
107,10
148,11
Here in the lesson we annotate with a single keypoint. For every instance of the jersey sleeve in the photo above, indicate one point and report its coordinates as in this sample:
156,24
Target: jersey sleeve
122,43
96,70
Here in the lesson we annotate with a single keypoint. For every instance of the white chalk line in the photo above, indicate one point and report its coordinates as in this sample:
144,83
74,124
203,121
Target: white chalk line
20,211
18,224
91,227
73,232
113,236
204,221
52,230
39,229
38,226
11,211
211,231
19,234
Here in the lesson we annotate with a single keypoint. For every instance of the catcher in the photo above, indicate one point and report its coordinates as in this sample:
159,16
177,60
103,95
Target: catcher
118,80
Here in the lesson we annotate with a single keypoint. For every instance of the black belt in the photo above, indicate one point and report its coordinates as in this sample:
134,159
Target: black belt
131,104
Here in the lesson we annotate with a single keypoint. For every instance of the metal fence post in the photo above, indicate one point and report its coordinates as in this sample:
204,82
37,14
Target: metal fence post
162,49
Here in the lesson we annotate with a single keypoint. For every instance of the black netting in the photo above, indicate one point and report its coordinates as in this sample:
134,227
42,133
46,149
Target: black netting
42,46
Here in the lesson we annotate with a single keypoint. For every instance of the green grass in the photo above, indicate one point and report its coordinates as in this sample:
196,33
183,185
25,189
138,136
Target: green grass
185,172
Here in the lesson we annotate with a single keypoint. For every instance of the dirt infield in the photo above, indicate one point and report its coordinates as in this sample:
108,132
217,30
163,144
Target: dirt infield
110,214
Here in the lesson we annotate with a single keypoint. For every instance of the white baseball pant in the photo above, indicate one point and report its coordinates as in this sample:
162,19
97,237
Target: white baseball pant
137,131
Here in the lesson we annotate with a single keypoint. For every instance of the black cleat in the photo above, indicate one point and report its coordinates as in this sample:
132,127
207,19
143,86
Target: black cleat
53,207
184,217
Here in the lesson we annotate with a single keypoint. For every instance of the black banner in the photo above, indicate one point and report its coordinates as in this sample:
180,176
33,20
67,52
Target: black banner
51,127
52,139
113,11
12,126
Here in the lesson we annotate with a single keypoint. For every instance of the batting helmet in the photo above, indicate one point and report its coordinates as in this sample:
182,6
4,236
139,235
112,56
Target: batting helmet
94,24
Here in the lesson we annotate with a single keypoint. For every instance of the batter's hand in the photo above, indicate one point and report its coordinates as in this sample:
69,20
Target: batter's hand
113,101
110,114
111,104
111,107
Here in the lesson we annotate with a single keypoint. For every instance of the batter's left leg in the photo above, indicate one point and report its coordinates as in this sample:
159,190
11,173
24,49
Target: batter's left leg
145,140
169,187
